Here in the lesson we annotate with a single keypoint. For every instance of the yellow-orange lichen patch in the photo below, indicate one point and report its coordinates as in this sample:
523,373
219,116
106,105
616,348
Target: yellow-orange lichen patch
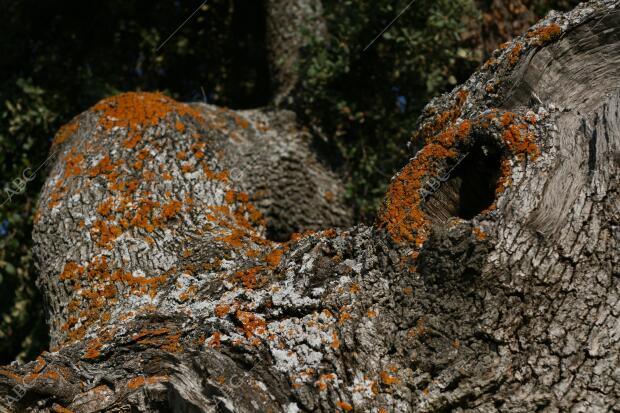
273,258
440,121
186,295
387,379
157,379
140,110
344,406
65,132
515,53
104,233
93,349
215,341
222,310
105,208
479,234
10,374
216,176
41,363
545,34
103,167
323,380
248,277
132,141
71,271
344,316
241,122
170,210
402,215
136,382
520,141
252,323
73,164
335,341
59,409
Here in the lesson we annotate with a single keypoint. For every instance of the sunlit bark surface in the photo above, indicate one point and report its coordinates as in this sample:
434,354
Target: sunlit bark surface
490,282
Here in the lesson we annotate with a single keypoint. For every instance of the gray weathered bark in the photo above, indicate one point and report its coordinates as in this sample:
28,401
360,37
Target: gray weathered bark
490,282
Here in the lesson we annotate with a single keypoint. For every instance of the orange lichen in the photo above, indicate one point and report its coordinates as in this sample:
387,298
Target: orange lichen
149,333
157,379
216,176
520,141
104,166
344,406
335,341
344,316
273,258
248,277
136,382
170,210
515,53
186,295
41,363
252,323
215,341
222,310
132,141
140,110
479,234
504,178
507,118
70,271
321,383
65,132
387,379
10,375
241,122
59,409
105,208
93,349
545,34
73,164
402,215
104,234
440,121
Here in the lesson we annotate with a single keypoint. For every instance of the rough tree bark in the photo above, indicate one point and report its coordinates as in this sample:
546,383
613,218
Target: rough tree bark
490,282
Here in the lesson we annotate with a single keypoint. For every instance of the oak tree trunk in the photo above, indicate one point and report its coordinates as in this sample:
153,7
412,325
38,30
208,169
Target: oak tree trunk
490,282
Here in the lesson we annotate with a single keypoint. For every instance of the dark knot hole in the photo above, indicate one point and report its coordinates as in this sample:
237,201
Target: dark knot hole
465,188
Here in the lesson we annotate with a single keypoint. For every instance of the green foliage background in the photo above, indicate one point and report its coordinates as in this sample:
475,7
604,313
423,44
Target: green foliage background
60,57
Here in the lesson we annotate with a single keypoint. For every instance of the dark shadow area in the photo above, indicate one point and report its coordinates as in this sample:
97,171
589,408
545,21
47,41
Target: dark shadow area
469,188
479,173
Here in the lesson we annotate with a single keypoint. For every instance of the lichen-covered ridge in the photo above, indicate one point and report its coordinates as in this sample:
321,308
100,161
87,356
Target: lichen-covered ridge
169,285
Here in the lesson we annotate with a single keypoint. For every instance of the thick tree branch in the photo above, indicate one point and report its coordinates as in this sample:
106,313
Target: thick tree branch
490,282
290,25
